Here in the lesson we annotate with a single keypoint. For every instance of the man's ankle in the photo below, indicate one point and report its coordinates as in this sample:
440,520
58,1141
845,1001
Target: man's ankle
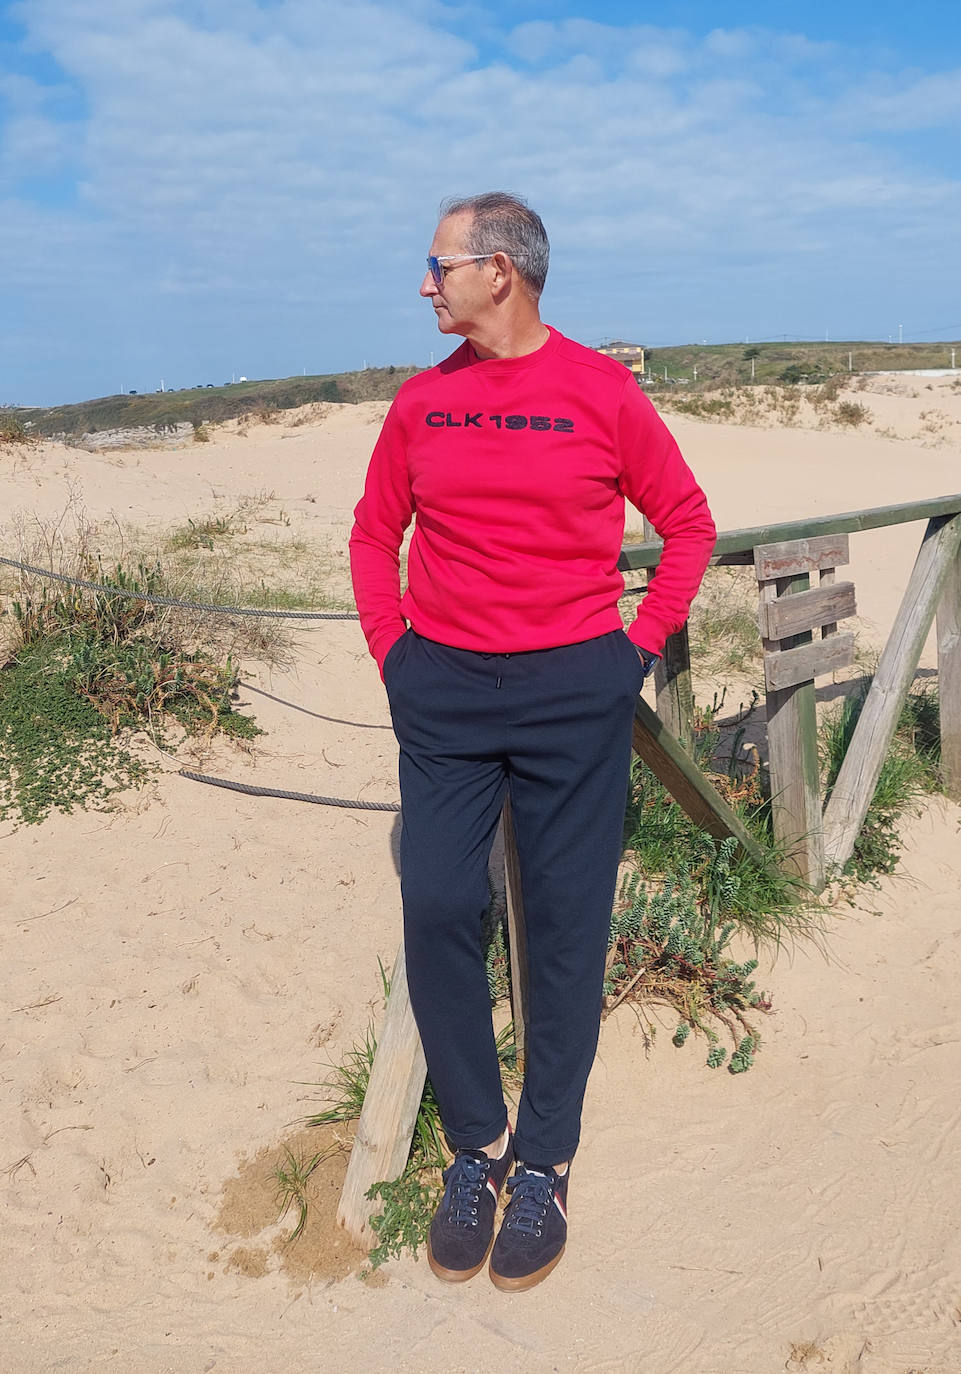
497,1147
559,1169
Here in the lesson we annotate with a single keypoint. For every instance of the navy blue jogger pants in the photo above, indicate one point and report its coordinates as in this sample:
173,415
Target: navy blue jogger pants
553,728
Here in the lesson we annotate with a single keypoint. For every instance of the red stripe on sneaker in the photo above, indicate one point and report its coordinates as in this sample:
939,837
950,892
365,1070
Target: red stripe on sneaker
560,1206
493,1187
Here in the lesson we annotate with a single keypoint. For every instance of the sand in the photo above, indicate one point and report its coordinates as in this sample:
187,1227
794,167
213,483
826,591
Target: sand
177,974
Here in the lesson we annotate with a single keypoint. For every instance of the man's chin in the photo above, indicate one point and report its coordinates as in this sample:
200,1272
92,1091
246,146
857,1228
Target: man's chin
446,325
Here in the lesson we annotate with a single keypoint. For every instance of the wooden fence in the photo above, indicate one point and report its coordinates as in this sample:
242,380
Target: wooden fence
791,614
801,639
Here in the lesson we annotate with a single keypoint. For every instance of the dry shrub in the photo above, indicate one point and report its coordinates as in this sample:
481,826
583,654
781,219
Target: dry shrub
69,544
723,627
830,389
852,413
13,430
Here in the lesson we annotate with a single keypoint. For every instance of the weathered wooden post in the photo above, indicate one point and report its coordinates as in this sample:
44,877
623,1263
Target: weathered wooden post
789,612
672,677
386,1126
859,773
949,678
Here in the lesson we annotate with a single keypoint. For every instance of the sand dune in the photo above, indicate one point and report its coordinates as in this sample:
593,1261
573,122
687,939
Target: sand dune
177,974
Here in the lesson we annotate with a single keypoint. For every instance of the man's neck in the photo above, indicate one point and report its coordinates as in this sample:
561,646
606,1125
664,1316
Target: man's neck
510,341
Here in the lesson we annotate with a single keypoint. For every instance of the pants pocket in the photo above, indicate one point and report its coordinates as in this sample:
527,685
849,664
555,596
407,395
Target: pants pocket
393,654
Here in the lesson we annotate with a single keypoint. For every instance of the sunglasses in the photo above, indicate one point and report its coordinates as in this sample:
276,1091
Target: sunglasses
438,271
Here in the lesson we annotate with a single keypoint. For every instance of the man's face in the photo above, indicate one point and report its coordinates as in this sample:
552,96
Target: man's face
464,299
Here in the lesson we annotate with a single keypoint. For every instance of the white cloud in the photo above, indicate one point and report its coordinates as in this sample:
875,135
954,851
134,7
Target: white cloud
921,102
32,146
23,94
728,44
272,163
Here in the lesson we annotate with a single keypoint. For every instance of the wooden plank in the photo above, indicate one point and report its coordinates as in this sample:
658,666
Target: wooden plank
793,757
789,558
647,555
386,1126
673,689
859,773
787,616
673,767
949,678
788,667
517,936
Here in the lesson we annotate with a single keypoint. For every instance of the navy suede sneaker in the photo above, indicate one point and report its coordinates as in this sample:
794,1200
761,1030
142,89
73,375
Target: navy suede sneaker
463,1226
533,1234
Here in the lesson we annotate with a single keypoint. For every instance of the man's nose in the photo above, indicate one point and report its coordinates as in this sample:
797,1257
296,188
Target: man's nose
428,286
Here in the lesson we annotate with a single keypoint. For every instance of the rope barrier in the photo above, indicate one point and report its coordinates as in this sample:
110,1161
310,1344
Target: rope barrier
110,590
246,788
249,790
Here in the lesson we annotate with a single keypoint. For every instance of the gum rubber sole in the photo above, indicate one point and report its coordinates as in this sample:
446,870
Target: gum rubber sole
457,1275
525,1281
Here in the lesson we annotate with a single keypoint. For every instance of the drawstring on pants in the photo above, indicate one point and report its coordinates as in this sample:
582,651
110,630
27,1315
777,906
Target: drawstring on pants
499,678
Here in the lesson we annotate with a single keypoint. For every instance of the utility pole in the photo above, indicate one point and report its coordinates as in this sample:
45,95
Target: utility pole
952,360
163,389
900,329
850,362
752,369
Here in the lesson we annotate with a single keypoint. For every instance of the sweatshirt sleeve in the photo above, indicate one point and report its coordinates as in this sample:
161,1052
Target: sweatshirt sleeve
380,520
656,479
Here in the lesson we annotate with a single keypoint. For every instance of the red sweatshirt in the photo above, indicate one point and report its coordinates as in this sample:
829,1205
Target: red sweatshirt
516,470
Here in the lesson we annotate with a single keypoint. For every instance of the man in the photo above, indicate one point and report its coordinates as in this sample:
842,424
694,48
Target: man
508,672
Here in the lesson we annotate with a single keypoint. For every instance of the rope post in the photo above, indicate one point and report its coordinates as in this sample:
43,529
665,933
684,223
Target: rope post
949,678
386,1126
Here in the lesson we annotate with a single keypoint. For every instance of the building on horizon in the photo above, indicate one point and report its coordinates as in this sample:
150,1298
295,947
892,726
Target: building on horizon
631,355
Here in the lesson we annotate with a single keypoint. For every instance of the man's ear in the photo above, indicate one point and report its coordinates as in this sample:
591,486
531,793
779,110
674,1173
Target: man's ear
502,269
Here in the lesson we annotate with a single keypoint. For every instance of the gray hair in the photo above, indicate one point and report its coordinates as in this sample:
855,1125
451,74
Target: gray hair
505,223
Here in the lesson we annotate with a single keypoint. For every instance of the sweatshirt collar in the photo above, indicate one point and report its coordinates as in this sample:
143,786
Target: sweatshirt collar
503,367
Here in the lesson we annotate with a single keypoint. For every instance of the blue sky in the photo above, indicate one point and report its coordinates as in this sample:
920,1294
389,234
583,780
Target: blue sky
195,188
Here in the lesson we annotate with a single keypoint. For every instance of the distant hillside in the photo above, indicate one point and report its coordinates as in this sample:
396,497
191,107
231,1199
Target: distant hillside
728,364
211,404
703,365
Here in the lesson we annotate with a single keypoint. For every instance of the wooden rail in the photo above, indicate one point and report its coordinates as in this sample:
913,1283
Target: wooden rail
790,614
743,542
